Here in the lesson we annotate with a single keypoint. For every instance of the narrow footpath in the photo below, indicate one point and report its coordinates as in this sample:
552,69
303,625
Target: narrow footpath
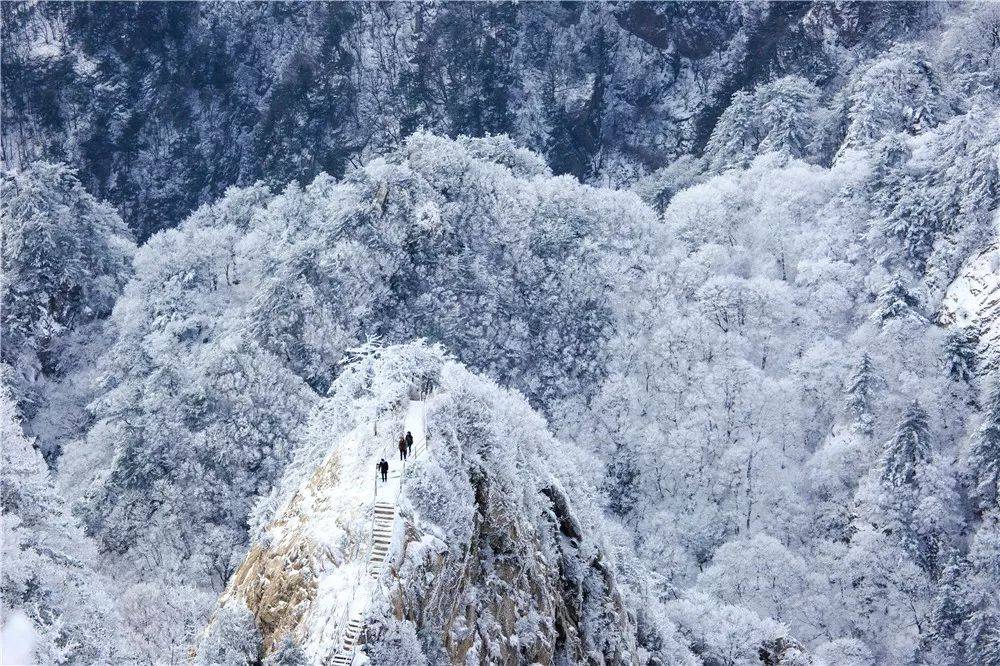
384,511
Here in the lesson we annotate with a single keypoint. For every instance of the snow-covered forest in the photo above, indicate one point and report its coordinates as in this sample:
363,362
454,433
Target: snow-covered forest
694,306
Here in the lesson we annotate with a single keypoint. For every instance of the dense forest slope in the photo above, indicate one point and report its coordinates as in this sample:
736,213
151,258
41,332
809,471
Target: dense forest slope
163,106
730,270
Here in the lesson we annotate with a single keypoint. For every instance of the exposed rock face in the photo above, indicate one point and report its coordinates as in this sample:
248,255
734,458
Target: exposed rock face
519,588
494,559
973,301
279,579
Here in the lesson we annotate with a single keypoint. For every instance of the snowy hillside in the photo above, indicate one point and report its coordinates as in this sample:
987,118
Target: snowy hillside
693,309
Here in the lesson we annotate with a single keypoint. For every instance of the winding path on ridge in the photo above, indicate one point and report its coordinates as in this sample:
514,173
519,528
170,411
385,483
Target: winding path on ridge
384,512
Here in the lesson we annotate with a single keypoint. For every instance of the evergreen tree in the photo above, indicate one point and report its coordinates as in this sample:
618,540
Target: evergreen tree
734,140
983,463
287,653
863,389
786,109
909,448
982,640
960,355
895,301
777,117
949,611
895,93
231,638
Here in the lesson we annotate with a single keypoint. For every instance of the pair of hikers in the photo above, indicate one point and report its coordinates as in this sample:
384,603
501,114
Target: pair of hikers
405,448
405,445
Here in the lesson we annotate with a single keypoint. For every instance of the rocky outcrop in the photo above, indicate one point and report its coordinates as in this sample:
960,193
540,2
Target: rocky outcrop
973,301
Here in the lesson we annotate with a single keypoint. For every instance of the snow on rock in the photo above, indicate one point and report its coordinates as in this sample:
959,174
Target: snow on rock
494,556
973,301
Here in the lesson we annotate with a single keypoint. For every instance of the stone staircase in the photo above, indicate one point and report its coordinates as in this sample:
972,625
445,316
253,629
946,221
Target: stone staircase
385,517
383,523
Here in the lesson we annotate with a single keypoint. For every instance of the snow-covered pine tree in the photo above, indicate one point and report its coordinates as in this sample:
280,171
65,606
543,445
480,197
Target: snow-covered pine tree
233,639
943,641
960,354
982,641
982,627
786,110
895,301
287,653
862,391
908,449
983,460
66,257
899,92
734,140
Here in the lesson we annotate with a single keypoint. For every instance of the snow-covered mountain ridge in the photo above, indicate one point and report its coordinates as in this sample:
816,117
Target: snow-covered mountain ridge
490,561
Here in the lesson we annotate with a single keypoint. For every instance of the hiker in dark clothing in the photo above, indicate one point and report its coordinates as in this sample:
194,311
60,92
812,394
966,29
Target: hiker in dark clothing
383,468
409,443
402,448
